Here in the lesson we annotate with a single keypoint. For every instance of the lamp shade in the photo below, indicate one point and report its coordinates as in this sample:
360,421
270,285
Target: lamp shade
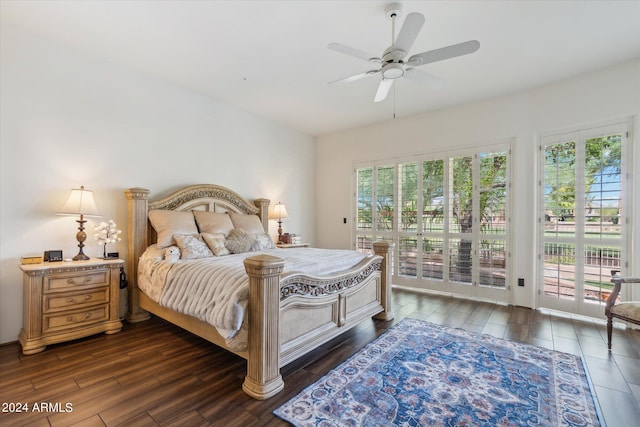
279,212
79,202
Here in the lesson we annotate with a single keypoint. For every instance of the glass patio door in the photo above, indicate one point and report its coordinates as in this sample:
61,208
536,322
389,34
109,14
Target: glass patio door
584,203
447,216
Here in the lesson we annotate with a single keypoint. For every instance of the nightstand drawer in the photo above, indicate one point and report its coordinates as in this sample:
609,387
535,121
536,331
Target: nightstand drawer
68,320
56,302
72,280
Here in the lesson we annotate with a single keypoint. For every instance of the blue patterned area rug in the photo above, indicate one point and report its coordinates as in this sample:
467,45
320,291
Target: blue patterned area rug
421,374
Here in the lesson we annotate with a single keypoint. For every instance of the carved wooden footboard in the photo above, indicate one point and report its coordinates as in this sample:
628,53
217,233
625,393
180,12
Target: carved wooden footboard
288,314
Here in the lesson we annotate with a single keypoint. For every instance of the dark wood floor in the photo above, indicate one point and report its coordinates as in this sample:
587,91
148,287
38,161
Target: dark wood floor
154,374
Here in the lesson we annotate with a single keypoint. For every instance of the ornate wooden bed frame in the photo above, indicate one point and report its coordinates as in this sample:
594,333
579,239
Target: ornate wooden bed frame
290,314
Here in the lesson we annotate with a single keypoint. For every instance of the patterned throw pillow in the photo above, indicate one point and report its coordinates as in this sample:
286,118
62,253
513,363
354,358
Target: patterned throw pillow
216,243
263,241
239,241
192,246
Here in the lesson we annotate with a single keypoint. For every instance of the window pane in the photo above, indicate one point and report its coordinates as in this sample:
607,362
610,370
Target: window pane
432,259
408,173
460,194
493,192
603,187
559,189
433,196
599,261
492,260
407,256
365,198
364,244
559,270
384,199
460,261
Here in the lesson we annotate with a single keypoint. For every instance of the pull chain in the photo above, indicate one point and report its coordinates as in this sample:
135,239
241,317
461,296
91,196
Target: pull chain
394,100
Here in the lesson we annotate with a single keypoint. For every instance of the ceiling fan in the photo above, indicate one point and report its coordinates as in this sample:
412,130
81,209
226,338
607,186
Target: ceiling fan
392,64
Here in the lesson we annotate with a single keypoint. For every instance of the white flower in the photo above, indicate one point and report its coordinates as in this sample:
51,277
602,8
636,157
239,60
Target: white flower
107,232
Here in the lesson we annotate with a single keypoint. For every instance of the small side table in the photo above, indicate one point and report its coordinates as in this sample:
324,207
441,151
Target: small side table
64,301
292,245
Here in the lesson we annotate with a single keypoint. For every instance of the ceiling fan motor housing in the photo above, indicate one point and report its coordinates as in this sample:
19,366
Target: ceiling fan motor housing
393,54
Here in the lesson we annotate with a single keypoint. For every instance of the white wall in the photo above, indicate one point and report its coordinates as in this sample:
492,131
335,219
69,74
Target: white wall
68,119
613,93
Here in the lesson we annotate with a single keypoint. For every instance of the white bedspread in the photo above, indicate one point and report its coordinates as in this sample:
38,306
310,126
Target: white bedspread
216,289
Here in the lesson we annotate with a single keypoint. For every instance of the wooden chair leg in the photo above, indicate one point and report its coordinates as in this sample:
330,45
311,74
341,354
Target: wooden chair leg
609,331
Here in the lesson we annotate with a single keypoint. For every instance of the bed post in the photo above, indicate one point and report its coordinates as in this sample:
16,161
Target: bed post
385,250
137,202
263,378
263,205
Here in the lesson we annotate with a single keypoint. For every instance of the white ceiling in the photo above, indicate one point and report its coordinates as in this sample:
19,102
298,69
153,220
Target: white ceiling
271,57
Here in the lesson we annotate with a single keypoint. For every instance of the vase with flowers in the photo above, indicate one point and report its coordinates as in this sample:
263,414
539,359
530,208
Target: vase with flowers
107,232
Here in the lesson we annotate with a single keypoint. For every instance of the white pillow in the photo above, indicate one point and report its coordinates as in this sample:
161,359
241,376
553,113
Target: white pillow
216,243
192,246
167,223
249,223
213,222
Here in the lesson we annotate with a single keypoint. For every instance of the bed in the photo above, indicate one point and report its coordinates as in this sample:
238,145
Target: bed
288,313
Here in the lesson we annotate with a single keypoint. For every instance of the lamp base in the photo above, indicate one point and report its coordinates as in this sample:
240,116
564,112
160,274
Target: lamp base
280,231
80,257
81,236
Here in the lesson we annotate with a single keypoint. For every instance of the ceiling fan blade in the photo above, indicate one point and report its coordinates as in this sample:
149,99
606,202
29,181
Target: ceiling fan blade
383,89
444,53
420,76
356,77
409,32
354,52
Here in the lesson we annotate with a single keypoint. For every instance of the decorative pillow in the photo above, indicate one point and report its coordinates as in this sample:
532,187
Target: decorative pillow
192,246
239,241
213,222
249,223
263,241
167,223
216,243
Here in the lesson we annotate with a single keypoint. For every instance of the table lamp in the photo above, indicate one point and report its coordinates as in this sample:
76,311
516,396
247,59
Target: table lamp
80,202
279,212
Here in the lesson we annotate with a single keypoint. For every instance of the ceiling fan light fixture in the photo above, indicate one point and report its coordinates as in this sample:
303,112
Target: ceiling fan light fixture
392,71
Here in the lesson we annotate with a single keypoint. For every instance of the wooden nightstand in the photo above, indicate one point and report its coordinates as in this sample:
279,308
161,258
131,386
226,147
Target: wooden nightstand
68,300
292,245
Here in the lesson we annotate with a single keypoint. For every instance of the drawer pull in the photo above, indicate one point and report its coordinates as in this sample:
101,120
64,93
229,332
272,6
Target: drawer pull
71,300
72,319
73,282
